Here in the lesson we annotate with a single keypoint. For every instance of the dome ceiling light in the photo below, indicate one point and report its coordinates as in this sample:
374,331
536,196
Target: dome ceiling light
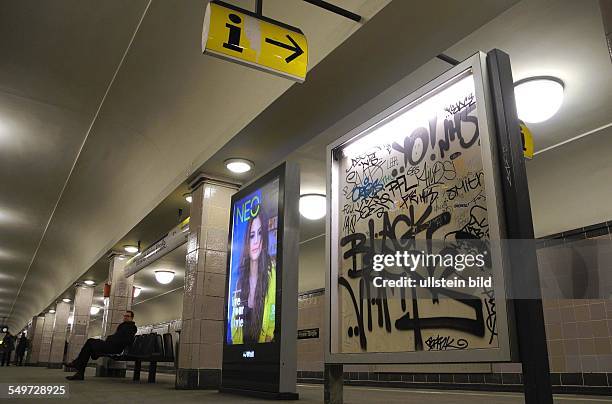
94,310
239,166
66,300
164,277
313,206
188,198
89,282
130,249
538,98
137,291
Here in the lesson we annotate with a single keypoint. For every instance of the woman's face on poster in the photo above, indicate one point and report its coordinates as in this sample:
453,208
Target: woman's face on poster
255,239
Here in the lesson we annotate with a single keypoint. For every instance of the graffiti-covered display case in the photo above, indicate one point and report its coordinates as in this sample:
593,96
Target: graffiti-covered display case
422,172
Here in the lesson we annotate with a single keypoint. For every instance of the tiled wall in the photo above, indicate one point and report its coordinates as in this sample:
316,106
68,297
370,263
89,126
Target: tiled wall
311,314
579,329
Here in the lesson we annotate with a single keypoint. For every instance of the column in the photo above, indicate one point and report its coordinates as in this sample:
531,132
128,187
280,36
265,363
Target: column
83,299
115,305
201,338
58,342
35,337
47,337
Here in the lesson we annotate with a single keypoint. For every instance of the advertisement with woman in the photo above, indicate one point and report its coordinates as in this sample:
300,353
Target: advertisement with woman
251,313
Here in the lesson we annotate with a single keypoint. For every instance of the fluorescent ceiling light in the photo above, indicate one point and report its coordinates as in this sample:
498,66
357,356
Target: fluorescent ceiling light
410,117
88,282
239,166
164,277
538,98
137,291
130,249
94,310
313,206
66,300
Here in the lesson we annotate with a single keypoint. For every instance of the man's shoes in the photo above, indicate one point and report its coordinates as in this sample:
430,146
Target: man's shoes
69,364
76,376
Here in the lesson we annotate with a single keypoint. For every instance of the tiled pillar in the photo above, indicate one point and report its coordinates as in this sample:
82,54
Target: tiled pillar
35,337
201,347
83,299
47,337
56,357
115,305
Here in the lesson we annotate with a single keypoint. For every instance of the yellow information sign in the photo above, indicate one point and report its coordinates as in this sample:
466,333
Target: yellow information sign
247,38
527,139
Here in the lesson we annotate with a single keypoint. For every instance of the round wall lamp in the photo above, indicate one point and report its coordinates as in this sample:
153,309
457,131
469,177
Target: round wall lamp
137,291
89,282
66,300
239,166
94,310
164,277
313,206
130,249
188,198
538,98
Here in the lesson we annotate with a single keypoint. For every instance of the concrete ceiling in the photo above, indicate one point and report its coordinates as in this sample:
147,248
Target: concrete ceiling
165,114
57,59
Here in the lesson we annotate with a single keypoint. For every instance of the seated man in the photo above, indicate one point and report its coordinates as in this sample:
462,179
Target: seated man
114,344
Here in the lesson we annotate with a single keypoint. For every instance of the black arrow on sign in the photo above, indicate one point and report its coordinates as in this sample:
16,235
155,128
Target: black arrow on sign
297,51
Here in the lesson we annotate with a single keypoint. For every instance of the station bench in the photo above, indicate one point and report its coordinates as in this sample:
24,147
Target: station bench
152,348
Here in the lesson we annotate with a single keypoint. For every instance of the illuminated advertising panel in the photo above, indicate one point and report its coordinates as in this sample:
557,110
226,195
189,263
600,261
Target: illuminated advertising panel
251,316
261,294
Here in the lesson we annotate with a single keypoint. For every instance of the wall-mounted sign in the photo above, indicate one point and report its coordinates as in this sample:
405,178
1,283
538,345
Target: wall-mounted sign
308,333
244,37
175,238
527,139
259,347
420,178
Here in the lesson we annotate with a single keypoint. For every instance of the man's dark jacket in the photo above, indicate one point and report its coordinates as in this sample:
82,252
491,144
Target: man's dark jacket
22,345
123,337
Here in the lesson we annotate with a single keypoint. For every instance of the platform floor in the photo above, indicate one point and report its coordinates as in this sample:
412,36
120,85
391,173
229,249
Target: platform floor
108,390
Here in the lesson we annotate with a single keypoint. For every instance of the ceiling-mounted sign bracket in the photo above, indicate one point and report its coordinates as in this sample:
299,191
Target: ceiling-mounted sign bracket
335,9
319,3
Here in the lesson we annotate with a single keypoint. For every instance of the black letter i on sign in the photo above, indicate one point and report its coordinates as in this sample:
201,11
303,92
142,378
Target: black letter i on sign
233,42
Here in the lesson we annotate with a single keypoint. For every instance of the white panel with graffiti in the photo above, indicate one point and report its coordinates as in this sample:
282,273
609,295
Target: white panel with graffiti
416,177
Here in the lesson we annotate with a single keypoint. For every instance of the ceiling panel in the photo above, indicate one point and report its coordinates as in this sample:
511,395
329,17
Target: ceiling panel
57,59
